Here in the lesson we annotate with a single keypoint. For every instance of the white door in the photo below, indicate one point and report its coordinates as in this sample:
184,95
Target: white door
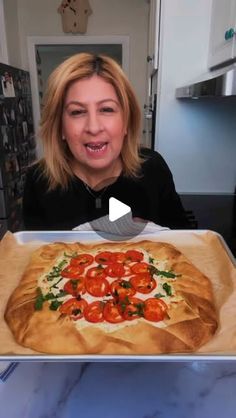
58,43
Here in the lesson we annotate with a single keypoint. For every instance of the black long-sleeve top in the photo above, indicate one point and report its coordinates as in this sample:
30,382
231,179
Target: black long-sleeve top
152,196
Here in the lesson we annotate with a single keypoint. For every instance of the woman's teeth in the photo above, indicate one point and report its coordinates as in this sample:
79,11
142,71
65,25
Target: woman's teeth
96,147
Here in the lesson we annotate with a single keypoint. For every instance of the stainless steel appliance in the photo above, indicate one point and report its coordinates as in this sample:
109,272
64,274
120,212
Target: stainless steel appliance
220,83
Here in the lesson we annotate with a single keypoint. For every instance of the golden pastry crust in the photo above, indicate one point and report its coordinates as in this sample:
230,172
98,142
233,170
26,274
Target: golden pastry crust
190,323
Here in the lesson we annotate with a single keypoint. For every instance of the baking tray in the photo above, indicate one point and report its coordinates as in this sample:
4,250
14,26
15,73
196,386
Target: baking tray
25,237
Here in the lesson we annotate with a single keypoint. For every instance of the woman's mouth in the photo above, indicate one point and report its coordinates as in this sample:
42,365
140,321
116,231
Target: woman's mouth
96,147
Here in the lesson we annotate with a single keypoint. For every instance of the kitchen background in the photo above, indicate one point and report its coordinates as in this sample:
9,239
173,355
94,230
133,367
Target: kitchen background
198,140
17,143
168,46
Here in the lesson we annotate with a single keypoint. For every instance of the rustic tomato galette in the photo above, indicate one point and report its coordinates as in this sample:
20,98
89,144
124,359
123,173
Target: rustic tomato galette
111,298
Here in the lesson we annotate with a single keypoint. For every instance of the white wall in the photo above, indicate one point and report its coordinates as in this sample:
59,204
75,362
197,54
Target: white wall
110,17
12,32
196,137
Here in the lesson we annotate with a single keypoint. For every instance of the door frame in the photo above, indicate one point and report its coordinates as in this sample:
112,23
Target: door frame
3,37
33,41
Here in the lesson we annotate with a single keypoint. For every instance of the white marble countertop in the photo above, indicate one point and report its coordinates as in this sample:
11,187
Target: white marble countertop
197,389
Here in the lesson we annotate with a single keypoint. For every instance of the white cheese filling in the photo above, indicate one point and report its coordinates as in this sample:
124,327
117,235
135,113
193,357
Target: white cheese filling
56,285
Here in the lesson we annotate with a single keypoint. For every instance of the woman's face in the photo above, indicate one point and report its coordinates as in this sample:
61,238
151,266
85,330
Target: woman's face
92,123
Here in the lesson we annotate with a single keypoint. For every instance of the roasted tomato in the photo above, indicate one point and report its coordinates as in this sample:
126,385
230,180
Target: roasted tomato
72,272
154,309
83,260
131,308
122,288
118,257
103,257
140,268
97,286
74,307
94,312
112,312
128,271
134,255
115,270
75,286
98,272
143,283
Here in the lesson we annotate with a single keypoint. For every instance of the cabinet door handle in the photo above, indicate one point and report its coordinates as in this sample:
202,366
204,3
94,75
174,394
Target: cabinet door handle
229,34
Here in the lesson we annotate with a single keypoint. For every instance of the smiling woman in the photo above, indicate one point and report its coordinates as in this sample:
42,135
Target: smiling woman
90,130
93,127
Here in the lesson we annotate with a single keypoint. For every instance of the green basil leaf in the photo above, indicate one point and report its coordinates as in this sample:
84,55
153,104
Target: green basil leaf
167,289
56,271
61,294
167,274
54,305
123,306
159,295
125,284
39,303
49,296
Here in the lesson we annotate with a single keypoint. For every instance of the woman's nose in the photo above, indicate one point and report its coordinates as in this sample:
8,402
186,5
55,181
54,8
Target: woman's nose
94,123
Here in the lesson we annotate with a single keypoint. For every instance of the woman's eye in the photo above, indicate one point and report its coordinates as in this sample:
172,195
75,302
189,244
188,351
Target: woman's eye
107,109
77,112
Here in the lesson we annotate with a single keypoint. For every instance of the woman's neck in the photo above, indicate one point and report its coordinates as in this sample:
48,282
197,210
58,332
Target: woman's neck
100,178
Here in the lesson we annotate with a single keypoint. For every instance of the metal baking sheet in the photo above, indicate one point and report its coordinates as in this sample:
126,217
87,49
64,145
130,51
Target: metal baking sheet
25,237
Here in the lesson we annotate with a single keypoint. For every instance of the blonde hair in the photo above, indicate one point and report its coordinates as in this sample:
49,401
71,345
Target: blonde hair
57,157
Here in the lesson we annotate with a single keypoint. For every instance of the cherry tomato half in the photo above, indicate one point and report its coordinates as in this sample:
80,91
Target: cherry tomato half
112,312
143,283
94,312
83,260
132,309
154,309
118,257
134,255
122,288
75,286
72,272
98,272
140,268
74,307
127,271
103,257
115,270
97,286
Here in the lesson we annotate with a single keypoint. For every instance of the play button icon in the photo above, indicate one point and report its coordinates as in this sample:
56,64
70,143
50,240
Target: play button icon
117,209
114,219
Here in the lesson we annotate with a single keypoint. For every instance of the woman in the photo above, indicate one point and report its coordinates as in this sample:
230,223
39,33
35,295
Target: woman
90,133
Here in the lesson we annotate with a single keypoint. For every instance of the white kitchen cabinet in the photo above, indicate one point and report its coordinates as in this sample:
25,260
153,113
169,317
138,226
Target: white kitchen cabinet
222,46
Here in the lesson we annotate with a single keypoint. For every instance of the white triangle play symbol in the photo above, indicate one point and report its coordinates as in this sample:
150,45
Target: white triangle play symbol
117,209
